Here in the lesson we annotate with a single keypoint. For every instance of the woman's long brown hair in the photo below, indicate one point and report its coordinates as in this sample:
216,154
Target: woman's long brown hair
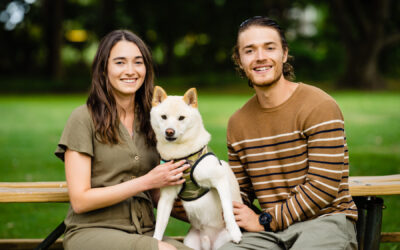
101,102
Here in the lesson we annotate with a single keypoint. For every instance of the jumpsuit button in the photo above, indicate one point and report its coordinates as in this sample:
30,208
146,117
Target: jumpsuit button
136,157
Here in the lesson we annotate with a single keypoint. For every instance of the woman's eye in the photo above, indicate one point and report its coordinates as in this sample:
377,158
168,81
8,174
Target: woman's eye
181,118
164,117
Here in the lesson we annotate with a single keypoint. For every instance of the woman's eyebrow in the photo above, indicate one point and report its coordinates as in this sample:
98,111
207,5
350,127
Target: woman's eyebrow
124,58
119,58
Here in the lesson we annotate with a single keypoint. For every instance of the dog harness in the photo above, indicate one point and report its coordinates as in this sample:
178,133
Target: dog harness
190,189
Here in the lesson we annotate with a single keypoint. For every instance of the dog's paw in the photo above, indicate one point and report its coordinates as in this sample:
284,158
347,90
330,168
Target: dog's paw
236,234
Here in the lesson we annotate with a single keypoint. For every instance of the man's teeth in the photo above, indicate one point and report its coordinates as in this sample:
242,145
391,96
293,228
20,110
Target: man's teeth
262,68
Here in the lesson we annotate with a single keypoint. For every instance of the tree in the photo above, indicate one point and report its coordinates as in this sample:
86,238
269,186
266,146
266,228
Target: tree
53,11
366,28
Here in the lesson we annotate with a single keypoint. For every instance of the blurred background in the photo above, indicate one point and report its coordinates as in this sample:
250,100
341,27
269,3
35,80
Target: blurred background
340,44
349,48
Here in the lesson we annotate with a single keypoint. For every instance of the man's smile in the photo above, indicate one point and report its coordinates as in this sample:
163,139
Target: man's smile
262,68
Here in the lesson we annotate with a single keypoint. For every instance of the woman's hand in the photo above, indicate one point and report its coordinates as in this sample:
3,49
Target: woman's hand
166,174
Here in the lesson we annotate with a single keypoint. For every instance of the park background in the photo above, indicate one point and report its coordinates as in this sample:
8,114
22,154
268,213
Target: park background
348,48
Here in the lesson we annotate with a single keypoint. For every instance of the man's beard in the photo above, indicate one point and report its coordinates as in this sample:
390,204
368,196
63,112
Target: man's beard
266,83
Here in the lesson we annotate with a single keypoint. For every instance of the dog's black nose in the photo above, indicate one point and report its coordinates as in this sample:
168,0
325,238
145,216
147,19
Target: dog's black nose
169,132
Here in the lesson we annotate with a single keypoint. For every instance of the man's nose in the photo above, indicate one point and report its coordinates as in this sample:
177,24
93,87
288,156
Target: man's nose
260,55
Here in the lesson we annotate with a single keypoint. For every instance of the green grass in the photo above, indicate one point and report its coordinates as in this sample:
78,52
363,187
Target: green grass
30,128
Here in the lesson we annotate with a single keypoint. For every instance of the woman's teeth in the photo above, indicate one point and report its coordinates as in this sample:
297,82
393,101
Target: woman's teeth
128,80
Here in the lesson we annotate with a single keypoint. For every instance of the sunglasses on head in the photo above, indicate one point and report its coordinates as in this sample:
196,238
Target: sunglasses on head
249,19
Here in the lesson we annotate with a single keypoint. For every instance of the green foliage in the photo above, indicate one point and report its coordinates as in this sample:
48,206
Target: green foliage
187,37
31,126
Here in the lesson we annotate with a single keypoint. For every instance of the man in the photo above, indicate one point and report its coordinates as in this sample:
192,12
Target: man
287,147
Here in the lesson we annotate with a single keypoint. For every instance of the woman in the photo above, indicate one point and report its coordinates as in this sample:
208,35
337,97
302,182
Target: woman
109,151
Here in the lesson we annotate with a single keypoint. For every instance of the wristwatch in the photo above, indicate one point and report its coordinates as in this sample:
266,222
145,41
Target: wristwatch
265,220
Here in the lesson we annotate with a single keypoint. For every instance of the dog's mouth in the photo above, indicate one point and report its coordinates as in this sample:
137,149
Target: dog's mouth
170,138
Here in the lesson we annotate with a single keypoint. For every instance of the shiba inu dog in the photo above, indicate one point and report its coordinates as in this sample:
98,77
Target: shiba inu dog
210,185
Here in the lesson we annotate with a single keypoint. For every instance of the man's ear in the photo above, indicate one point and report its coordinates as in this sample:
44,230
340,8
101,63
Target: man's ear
285,55
237,58
159,96
190,97
240,64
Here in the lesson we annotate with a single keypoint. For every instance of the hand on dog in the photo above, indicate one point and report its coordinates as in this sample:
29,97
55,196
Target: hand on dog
167,174
246,218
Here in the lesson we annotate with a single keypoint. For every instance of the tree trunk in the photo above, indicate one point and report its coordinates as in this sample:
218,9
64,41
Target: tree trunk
361,25
53,27
362,68
107,24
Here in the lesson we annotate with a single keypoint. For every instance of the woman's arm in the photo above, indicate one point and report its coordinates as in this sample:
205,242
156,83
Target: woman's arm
84,198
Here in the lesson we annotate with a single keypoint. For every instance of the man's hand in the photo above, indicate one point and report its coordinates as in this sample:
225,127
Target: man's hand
246,218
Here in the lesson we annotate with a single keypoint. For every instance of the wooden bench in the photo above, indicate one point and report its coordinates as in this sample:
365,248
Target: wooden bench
366,190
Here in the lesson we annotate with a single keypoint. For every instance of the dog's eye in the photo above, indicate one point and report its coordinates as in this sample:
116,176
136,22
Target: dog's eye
181,118
164,117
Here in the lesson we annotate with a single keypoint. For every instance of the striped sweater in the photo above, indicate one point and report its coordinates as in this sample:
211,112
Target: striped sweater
293,158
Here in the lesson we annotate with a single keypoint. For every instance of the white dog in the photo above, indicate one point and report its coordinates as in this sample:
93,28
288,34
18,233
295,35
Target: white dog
210,184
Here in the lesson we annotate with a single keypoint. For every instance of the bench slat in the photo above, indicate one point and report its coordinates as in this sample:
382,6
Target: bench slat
41,184
374,185
373,179
390,237
58,192
375,189
34,195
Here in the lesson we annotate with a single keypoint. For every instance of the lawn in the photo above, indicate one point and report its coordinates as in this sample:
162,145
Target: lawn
31,126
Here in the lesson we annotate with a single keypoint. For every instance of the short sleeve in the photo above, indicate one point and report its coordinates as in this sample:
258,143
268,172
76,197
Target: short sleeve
78,133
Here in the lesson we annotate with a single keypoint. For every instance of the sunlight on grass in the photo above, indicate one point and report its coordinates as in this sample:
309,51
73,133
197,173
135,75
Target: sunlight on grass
31,126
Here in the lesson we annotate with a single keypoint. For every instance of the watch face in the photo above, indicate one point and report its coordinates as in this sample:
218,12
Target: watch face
265,218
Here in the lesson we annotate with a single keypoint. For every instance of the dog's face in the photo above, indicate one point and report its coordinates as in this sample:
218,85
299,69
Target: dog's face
174,117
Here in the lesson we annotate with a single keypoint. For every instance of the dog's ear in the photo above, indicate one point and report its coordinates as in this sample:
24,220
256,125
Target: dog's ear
190,97
159,96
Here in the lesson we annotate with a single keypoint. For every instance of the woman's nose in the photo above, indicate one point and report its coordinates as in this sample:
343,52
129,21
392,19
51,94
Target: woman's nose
130,69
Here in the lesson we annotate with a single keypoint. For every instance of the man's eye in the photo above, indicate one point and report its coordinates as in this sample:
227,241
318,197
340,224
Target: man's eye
181,118
164,117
